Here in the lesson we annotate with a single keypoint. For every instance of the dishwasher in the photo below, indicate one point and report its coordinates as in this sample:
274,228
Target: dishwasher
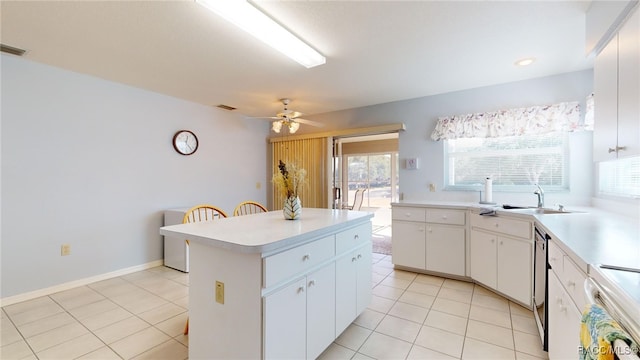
540,287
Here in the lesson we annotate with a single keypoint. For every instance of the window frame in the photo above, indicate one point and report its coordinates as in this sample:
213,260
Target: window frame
566,160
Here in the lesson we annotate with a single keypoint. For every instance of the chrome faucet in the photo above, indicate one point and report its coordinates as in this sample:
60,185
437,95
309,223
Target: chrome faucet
540,194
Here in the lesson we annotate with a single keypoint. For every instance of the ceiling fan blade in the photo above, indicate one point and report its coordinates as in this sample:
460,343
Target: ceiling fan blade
308,122
265,117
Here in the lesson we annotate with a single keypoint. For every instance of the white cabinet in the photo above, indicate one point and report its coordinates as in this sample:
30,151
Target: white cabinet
353,285
408,247
301,314
432,239
515,269
445,247
616,94
566,300
306,314
501,252
564,322
484,258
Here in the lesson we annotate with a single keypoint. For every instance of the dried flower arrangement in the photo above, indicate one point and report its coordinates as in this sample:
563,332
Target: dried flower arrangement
290,179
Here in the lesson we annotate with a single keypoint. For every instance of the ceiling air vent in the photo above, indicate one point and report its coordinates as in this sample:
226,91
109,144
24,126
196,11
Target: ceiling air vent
11,50
226,107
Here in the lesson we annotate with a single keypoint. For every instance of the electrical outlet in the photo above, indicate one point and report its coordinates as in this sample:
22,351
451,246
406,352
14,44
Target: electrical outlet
65,249
432,187
219,292
258,185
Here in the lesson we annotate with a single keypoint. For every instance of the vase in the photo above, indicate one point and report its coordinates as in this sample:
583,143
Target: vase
292,208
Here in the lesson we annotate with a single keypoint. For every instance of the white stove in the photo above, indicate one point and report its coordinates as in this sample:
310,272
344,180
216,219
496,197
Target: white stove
617,289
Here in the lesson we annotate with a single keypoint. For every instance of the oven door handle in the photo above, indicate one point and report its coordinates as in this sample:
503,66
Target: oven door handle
623,351
590,291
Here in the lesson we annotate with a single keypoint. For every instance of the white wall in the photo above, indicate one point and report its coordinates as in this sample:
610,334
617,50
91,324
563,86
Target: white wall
90,163
420,116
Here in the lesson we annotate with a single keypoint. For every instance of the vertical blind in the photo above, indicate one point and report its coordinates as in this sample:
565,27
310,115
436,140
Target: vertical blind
308,154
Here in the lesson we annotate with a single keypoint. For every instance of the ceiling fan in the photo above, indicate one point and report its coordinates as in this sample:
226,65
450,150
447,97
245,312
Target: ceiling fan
289,119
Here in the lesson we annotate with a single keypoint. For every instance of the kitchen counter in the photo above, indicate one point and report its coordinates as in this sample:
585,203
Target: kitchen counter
588,235
596,237
266,232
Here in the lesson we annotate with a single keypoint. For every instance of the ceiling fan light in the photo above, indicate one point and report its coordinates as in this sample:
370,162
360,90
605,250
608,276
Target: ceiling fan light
293,127
276,126
250,19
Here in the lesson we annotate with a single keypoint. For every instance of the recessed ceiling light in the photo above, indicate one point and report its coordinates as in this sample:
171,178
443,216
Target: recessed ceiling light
525,61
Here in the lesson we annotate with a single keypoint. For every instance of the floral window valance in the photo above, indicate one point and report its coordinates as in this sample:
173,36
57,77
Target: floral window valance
559,117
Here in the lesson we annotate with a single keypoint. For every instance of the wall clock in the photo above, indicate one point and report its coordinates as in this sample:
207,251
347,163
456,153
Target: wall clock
185,142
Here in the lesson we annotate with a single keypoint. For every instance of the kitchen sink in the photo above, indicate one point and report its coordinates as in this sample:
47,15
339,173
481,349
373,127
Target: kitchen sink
534,210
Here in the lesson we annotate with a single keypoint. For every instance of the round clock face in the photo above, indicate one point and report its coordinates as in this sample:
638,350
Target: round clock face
185,142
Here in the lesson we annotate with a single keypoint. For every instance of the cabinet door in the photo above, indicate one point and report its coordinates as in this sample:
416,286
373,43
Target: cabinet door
345,291
564,322
408,245
285,322
484,258
629,86
364,283
321,310
606,102
445,247
515,269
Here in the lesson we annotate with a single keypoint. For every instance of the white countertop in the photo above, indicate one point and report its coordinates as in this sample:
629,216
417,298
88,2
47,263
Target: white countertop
266,232
588,236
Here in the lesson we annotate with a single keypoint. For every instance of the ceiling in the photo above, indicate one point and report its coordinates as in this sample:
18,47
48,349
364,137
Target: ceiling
376,52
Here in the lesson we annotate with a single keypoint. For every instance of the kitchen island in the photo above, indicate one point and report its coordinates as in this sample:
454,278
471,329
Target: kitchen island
265,287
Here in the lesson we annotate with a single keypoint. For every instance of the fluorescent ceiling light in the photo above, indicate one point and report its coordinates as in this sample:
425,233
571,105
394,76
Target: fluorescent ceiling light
250,19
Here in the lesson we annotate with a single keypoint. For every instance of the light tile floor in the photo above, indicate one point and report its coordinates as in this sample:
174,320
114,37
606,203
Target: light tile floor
142,316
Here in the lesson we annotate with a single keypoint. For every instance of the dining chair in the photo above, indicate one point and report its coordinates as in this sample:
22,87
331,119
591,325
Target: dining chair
248,208
201,213
355,200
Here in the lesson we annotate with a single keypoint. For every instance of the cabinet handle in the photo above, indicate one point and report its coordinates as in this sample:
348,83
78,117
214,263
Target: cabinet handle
353,259
421,229
444,217
501,242
359,256
407,214
356,237
300,289
306,257
617,148
497,225
311,283
429,229
493,240
571,283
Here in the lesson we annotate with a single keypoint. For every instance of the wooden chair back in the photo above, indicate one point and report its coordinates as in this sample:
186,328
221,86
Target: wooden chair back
248,208
204,212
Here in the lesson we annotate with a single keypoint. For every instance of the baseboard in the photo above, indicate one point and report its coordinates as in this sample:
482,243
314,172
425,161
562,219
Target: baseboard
72,284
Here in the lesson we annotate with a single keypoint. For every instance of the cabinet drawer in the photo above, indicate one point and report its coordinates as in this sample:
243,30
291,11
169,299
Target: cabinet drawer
351,238
555,258
573,280
408,214
513,227
442,216
296,261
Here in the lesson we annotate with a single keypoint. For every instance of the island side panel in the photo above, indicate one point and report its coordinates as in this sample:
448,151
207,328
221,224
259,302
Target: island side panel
229,330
